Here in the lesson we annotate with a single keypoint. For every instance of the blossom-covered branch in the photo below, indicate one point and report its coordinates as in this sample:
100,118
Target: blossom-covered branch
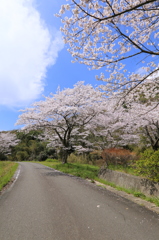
114,35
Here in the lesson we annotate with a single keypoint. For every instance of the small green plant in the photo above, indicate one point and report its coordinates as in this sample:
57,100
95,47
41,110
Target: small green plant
139,194
148,165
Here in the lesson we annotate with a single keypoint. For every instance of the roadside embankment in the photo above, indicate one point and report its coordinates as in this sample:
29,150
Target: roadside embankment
128,181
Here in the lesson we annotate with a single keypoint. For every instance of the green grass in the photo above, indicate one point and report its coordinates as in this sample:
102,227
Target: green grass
7,170
76,169
120,168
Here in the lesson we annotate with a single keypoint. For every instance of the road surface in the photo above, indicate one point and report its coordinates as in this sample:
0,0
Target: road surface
44,204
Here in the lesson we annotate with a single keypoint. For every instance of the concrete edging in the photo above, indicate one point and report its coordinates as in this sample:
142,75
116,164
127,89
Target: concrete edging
128,181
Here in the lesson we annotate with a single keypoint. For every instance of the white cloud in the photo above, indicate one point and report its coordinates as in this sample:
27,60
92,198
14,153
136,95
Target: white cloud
27,48
141,71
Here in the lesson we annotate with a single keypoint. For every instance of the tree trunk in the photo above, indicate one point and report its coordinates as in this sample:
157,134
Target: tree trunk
65,155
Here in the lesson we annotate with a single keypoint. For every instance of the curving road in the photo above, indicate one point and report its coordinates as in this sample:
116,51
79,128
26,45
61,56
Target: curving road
44,204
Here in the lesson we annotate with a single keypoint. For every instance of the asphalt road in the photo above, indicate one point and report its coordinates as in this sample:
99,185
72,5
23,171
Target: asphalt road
44,204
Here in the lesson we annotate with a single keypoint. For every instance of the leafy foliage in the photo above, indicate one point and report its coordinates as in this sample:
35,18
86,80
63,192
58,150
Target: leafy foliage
2,156
42,156
30,147
148,165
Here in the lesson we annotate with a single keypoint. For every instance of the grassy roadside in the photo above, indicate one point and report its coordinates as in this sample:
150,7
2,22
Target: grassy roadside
7,170
76,169
128,169
91,172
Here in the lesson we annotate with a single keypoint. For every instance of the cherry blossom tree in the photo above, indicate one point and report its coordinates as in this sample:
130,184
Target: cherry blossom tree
114,34
7,140
143,120
66,117
125,124
116,126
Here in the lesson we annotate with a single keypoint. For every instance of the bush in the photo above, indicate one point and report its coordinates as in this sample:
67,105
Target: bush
22,156
51,153
148,165
3,157
117,156
42,156
78,158
95,156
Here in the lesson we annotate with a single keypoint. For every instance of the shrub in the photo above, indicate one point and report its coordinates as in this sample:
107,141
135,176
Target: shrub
78,158
42,156
2,156
148,165
22,156
51,153
117,156
95,156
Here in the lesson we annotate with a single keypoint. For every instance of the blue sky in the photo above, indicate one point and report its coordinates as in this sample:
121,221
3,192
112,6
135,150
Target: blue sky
34,60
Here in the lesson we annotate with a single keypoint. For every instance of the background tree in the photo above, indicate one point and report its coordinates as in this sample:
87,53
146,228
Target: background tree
128,123
142,119
116,126
30,147
7,141
110,34
66,117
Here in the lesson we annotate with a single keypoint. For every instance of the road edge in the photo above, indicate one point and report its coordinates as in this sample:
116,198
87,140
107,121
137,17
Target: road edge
137,200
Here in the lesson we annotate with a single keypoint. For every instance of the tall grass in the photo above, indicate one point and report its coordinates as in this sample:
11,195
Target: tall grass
7,170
